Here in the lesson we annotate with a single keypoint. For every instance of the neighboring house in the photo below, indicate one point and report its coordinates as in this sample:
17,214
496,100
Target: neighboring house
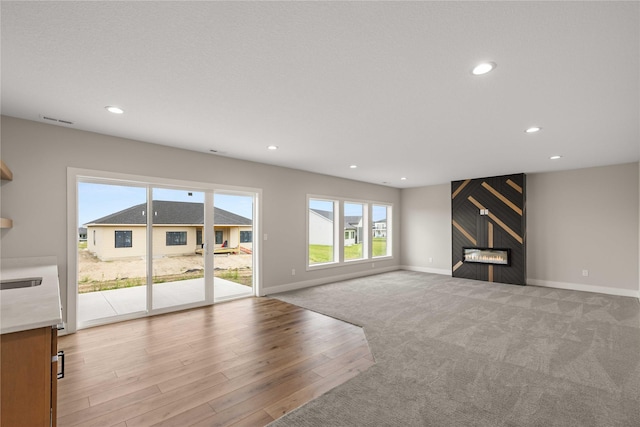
380,228
177,230
82,234
321,228
352,230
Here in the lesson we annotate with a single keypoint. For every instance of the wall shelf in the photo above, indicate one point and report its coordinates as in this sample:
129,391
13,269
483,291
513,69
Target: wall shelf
6,175
5,172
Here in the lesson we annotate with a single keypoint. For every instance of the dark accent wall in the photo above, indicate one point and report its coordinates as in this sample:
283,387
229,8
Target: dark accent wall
503,226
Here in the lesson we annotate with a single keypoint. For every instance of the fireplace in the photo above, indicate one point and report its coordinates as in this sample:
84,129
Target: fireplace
493,256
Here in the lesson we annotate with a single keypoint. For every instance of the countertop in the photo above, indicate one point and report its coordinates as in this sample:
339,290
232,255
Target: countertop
34,307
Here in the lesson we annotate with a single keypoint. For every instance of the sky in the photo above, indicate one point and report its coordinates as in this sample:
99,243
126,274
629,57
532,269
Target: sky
350,209
98,200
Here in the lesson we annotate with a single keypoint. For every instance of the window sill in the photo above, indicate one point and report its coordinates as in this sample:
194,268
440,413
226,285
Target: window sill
347,263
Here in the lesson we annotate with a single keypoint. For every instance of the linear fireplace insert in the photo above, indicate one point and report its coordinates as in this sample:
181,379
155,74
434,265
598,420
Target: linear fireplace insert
487,256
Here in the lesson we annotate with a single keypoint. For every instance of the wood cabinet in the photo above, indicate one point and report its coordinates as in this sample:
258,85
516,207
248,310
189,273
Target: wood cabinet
5,175
29,377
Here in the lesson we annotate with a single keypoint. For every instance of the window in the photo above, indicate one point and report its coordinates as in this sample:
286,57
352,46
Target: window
337,231
198,237
176,238
380,230
124,239
218,237
246,236
322,234
354,242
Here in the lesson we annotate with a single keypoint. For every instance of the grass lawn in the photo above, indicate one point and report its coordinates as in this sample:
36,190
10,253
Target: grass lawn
319,254
379,246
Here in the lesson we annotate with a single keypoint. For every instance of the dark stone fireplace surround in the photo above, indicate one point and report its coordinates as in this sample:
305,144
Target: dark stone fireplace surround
489,214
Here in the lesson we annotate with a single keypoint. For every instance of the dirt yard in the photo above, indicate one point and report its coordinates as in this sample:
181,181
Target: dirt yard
91,269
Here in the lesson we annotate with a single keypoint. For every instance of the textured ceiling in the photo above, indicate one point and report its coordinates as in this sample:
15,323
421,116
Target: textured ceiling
383,85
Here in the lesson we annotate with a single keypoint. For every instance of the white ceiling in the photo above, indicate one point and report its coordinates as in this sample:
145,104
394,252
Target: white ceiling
383,85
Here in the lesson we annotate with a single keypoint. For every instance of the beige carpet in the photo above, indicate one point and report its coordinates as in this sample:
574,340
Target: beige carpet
456,352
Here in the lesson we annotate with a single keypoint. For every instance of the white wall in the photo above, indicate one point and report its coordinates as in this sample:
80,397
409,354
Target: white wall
585,219
39,154
425,228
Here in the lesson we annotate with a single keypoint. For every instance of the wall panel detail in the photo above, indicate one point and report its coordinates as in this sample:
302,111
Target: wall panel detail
490,212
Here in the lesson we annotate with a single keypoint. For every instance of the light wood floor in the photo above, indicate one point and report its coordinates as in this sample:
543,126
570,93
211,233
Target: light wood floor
240,363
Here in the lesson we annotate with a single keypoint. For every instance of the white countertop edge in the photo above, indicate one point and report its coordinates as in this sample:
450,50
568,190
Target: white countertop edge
30,308
25,327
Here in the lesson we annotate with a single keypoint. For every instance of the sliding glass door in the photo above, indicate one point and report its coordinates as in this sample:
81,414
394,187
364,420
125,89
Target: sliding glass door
112,251
233,247
178,231
145,249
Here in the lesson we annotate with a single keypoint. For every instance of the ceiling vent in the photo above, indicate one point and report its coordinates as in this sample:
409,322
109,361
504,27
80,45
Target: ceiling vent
52,119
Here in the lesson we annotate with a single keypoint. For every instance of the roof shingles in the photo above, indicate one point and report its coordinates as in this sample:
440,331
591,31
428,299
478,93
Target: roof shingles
169,212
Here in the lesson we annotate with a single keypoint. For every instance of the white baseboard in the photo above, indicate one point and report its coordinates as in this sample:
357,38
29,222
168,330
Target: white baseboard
323,281
444,272
586,288
536,282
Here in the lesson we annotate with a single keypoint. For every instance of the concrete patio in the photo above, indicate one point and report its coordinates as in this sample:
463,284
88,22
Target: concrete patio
116,302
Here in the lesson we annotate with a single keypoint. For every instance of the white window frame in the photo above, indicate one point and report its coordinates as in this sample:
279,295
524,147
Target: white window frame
337,250
338,231
74,175
366,254
389,230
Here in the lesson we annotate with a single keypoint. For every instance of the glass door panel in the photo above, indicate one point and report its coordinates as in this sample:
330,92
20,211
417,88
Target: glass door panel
112,251
178,255
233,246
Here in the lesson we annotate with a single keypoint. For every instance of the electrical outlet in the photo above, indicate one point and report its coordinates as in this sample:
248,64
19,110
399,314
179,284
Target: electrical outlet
266,236
293,271
585,273
373,265
430,259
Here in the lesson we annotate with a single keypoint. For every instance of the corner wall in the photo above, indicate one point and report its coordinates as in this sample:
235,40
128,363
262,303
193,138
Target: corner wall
425,233
39,155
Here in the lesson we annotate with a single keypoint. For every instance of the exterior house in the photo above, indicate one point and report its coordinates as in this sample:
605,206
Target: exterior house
352,230
380,228
82,234
177,230
321,228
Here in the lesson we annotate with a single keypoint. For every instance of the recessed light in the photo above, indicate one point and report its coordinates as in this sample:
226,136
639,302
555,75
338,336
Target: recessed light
114,110
555,157
272,147
353,166
403,179
533,129
483,68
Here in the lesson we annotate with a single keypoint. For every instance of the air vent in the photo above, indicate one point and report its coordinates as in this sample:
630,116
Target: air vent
52,119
